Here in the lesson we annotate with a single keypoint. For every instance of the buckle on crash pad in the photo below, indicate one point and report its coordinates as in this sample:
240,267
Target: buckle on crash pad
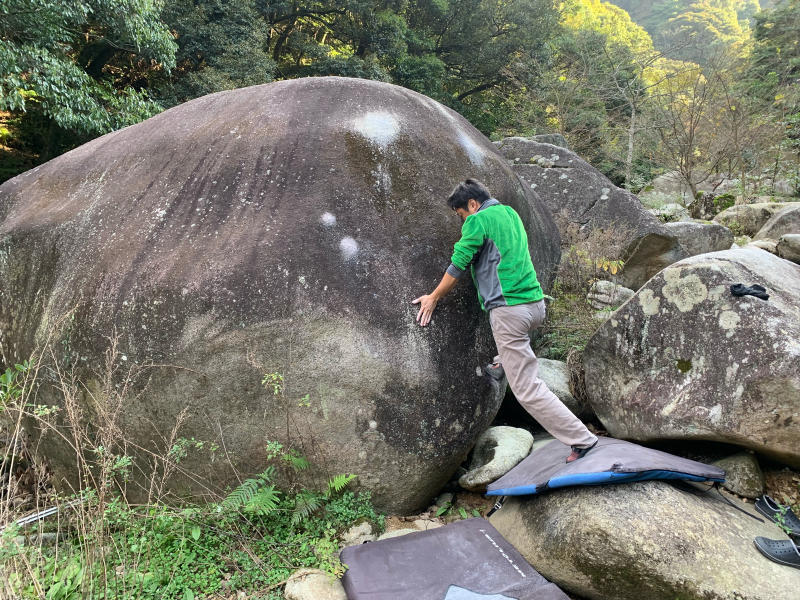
497,506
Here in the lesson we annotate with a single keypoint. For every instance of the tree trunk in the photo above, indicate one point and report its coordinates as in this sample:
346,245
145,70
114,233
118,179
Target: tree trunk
49,145
629,157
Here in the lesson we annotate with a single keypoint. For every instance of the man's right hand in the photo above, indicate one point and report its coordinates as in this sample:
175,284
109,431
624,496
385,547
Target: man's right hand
427,304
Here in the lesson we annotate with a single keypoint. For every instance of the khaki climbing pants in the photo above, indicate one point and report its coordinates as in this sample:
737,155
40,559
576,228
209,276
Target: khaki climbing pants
511,327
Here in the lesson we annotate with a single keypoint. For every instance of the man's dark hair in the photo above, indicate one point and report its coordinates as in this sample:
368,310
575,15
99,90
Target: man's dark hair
469,188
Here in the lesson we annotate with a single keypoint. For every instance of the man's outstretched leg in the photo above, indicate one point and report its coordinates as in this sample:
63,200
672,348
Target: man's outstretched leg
510,327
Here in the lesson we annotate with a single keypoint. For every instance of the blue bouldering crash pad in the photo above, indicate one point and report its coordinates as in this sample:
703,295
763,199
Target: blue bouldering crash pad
465,560
611,461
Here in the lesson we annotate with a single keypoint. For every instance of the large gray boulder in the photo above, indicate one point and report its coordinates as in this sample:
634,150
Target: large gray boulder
699,238
555,374
279,228
743,474
685,359
786,220
608,295
645,540
788,247
747,219
572,187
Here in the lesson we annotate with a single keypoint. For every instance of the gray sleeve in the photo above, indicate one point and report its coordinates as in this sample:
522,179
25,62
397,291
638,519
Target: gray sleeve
454,271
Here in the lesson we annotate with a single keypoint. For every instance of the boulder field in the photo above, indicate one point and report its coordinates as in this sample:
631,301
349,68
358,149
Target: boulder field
748,219
686,359
282,228
572,187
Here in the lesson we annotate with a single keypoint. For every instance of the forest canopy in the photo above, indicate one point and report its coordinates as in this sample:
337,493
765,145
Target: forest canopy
636,88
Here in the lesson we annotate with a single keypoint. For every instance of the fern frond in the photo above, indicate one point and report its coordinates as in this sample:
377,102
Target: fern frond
305,504
264,501
297,461
339,482
245,492
241,495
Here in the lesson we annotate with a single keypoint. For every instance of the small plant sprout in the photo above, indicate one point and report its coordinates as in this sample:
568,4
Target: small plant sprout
274,383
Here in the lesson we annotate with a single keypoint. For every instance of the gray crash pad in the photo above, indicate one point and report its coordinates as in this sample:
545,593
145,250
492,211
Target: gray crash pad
465,560
611,461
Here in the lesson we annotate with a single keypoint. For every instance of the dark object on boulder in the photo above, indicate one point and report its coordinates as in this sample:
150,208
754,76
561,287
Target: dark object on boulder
780,514
759,291
783,552
282,228
464,560
612,461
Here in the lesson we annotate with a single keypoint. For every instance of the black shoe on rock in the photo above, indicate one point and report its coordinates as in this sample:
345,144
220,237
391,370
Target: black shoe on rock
783,552
495,371
780,514
580,452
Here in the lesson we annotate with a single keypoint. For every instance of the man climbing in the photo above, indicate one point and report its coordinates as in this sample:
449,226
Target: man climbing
495,246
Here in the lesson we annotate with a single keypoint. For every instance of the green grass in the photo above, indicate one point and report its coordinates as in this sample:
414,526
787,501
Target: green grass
157,552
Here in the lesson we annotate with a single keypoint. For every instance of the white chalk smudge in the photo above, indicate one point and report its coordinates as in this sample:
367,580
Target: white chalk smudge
475,152
348,247
381,128
328,219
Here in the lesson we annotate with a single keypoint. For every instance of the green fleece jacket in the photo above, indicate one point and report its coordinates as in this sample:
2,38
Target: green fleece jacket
495,246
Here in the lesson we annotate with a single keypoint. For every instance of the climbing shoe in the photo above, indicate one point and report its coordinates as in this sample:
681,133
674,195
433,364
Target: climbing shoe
579,452
495,371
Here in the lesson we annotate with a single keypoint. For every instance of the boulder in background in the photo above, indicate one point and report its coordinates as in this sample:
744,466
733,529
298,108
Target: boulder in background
788,247
786,220
572,187
699,238
685,359
747,219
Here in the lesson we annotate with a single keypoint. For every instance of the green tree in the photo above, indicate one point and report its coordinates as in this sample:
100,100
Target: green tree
603,74
221,46
691,30
774,74
72,69
77,60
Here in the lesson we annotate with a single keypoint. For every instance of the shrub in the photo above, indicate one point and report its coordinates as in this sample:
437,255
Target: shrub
588,254
251,539
723,202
